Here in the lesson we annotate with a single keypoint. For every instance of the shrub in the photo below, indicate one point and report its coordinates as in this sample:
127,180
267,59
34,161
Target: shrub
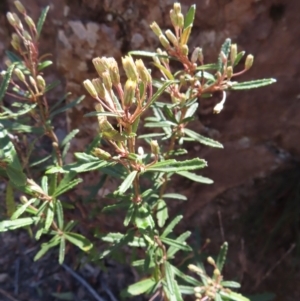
143,164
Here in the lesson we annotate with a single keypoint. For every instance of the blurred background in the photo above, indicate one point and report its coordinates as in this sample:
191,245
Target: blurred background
254,203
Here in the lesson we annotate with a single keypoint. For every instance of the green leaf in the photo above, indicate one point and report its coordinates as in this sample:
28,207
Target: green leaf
202,139
165,71
108,114
190,16
172,225
45,247
22,209
196,178
10,200
69,137
16,176
176,166
64,187
17,223
143,218
218,297
225,49
238,58
176,244
162,213
129,214
169,277
253,84
231,284
62,250
6,80
49,215
186,290
89,166
233,296
44,184
127,182
67,107
222,256
140,287
175,196
151,135
180,240
59,214
41,20
44,65
78,240
13,57
185,277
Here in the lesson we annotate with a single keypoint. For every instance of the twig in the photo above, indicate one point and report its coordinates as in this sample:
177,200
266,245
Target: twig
7,295
83,282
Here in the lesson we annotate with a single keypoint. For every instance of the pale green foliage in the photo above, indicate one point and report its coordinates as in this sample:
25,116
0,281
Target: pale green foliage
173,101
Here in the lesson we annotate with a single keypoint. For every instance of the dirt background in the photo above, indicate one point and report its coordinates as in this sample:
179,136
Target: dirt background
254,201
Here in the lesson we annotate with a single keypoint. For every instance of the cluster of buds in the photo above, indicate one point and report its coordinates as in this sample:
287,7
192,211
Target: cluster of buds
126,102
25,43
213,286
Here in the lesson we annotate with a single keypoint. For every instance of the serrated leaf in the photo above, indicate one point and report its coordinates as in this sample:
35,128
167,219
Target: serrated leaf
62,188
172,225
62,250
78,240
22,209
59,214
17,223
45,247
49,215
222,256
6,80
10,200
140,287
202,139
180,240
194,177
175,196
225,49
161,213
69,137
231,284
190,16
176,166
41,20
176,244
127,182
253,84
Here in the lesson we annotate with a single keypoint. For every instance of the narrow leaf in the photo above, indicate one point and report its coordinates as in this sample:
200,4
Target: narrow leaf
140,287
172,225
194,177
79,241
252,84
127,182
45,247
231,284
233,296
169,277
162,213
59,214
6,80
42,19
67,107
175,196
22,209
222,256
202,139
62,250
69,137
49,215
190,16
17,223
10,200
177,245
62,188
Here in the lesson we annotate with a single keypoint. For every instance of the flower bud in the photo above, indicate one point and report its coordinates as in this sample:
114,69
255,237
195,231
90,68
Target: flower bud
107,80
196,55
20,7
98,85
18,21
27,35
217,273
90,88
11,19
32,81
15,45
163,40
154,147
156,29
173,17
177,8
172,38
20,75
180,21
41,82
130,68
142,71
164,60
29,22
23,199
249,61
184,49
233,53
229,72
129,92
100,65
211,261
114,71
101,154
